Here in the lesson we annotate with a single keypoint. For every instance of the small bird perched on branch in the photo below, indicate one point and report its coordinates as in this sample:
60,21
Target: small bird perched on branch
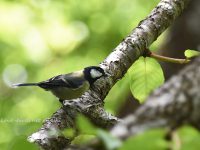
72,85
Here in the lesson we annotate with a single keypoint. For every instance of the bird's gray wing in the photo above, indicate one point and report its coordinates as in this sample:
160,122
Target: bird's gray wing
62,81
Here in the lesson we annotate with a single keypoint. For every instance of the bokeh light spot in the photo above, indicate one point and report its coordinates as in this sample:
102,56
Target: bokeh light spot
14,73
35,46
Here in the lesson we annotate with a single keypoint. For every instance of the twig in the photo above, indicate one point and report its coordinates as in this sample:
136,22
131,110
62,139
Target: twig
169,59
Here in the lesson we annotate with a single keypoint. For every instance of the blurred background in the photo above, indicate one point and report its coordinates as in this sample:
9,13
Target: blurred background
43,38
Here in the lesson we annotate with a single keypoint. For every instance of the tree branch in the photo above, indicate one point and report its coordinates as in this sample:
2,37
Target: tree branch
177,102
115,65
169,59
174,104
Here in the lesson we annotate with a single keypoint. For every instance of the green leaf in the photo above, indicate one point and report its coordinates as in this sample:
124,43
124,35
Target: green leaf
109,141
145,75
82,139
189,137
69,132
150,140
191,53
85,126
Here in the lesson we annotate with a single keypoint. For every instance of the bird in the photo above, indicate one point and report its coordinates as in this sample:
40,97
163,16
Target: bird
70,86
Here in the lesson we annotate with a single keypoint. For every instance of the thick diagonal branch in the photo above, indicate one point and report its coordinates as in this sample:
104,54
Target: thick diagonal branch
177,102
116,65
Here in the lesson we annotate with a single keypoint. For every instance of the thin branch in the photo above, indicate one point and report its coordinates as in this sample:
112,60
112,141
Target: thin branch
169,59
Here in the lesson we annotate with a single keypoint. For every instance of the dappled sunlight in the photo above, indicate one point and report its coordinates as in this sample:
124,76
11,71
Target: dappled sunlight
35,46
14,18
63,38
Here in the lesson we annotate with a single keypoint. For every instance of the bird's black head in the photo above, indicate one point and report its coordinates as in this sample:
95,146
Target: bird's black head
93,73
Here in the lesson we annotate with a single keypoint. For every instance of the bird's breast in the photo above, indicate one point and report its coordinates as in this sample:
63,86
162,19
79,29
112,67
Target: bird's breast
65,93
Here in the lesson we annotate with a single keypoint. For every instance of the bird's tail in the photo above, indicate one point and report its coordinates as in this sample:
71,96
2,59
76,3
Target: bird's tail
24,84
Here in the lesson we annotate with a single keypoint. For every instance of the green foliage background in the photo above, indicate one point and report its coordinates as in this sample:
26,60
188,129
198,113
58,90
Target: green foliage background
43,38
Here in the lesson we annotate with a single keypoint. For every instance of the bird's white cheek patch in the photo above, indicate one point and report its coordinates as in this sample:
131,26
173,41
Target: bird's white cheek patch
95,74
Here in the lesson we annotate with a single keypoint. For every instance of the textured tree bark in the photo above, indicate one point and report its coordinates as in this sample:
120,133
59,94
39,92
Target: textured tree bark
177,102
183,34
115,65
